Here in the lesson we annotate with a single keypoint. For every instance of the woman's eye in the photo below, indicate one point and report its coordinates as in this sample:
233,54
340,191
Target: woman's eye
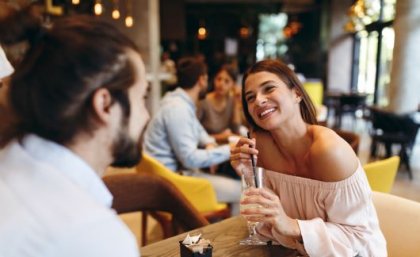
250,98
269,88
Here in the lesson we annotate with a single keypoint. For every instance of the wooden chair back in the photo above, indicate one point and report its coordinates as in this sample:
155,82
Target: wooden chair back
140,192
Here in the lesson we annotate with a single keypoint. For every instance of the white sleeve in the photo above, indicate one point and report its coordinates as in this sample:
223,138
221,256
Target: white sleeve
350,227
108,237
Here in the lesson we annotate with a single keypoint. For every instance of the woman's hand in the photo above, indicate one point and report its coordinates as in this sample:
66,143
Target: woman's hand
240,155
271,212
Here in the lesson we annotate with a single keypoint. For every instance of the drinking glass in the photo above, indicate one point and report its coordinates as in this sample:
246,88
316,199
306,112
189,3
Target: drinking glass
248,181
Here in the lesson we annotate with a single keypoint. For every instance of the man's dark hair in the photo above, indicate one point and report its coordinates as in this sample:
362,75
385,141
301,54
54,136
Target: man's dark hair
52,88
189,70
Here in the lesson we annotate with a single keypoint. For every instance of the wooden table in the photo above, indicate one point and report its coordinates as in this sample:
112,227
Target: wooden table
224,236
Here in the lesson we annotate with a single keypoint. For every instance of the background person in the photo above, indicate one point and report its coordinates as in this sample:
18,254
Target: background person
318,198
79,107
176,138
219,113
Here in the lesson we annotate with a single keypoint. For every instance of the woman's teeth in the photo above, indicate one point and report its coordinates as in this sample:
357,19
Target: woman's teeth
264,113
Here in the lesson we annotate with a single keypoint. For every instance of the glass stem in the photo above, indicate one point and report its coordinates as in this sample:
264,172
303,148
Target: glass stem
252,229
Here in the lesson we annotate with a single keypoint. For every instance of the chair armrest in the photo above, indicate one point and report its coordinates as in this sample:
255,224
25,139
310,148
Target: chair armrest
198,191
399,220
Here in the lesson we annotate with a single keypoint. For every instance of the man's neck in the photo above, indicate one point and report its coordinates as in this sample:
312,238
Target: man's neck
193,93
96,154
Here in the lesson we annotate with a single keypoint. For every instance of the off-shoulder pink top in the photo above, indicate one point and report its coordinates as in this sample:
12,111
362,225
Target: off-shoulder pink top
335,218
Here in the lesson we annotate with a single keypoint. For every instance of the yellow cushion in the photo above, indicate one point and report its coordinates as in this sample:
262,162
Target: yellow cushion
315,91
198,191
381,174
399,219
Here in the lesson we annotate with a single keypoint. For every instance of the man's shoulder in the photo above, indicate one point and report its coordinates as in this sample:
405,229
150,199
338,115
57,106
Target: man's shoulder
35,213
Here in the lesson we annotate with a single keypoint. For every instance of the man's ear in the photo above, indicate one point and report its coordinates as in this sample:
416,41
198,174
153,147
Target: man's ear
202,79
101,104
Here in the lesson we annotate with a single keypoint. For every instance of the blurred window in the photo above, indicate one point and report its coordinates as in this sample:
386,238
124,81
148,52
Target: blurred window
271,37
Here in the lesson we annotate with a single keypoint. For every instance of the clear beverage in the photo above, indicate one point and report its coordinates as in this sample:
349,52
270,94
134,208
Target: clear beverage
248,206
249,181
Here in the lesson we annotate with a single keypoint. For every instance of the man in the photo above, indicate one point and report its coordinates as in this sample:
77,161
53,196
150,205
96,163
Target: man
78,97
176,138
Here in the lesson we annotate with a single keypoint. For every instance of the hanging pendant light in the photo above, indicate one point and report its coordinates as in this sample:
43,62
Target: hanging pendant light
202,31
98,8
129,21
115,11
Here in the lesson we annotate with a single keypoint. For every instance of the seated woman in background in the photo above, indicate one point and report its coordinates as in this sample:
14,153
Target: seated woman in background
219,112
317,198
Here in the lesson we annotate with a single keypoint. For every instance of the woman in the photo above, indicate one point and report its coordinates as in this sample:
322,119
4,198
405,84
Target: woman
318,199
219,113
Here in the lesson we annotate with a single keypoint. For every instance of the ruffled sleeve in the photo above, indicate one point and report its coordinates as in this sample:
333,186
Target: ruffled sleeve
351,225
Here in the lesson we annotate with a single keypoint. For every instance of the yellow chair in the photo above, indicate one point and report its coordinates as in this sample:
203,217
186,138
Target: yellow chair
315,91
399,220
198,191
381,174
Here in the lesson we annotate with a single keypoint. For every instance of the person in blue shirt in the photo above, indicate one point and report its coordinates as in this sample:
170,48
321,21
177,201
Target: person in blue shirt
176,138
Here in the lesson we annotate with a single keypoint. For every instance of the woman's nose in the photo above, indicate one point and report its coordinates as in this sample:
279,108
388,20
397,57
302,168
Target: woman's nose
261,100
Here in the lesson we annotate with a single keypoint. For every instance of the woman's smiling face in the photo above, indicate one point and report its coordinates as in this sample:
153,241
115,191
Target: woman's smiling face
270,102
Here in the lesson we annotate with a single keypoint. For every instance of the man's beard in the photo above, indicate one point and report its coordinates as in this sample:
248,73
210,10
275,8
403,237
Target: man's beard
125,150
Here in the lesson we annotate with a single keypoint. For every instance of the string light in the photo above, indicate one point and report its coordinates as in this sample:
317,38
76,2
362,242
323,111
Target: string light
98,9
115,12
202,31
129,21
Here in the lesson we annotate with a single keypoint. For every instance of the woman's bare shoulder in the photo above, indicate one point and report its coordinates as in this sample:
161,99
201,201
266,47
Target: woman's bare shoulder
331,158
